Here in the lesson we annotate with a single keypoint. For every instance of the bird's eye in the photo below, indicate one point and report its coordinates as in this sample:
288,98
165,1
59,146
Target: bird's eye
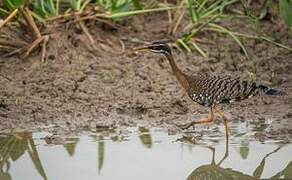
159,47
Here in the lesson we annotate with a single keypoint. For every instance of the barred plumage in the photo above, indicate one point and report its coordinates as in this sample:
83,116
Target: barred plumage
211,90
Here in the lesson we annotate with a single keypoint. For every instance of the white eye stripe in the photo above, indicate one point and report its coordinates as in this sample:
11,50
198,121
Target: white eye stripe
158,51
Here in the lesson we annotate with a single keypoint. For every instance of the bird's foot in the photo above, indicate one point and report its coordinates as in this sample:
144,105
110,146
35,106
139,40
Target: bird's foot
185,126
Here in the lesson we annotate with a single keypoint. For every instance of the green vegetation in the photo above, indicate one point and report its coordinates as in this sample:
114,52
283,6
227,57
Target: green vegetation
285,7
202,15
207,15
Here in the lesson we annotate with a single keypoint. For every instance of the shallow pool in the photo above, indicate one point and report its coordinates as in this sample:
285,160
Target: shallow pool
143,154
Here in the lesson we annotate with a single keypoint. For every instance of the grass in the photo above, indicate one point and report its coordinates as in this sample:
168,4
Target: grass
285,7
206,15
203,15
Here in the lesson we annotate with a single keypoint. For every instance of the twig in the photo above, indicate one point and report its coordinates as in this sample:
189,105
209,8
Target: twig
82,19
16,51
179,19
8,18
13,43
29,20
122,46
6,48
63,16
85,30
33,45
169,19
44,47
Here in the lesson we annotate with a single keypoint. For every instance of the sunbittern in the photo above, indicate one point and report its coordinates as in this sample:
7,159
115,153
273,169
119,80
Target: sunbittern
211,90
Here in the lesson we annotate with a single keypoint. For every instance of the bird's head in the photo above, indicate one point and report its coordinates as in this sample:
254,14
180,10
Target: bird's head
156,47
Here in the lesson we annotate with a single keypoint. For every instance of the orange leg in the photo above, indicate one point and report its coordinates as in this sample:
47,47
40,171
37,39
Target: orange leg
225,120
202,121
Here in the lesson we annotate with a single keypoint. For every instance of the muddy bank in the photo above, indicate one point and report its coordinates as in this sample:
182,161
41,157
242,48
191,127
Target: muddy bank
78,88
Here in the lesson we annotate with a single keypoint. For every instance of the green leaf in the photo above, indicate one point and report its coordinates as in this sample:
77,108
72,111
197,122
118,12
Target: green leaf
71,145
101,151
145,137
236,39
44,9
199,49
184,45
285,7
244,151
285,173
259,170
10,5
193,13
137,4
34,156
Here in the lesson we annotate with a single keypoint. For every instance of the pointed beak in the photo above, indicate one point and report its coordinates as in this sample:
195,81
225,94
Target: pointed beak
143,48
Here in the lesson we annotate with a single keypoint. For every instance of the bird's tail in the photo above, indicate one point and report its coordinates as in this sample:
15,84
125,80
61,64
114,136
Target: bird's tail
271,92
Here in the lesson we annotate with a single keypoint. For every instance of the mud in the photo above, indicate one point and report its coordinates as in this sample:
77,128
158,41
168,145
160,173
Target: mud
110,86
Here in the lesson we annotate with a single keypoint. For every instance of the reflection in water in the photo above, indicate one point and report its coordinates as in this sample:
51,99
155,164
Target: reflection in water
101,146
145,137
70,145
244,151
160,154
214,171
99,139
13,147
285,174
259,170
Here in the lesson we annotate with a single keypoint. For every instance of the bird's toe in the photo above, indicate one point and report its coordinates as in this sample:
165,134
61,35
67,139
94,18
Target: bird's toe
184,126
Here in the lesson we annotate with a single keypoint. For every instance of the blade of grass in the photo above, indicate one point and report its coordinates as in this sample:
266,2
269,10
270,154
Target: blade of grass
198,49
130,13
78,5
8,18
184,45
192,11
57,7
84,5
255,37
37,17
275,43
4,12
178,15
213,9
10,5
52,6
43,8
230,33
193,33
178,18
202,6
137,4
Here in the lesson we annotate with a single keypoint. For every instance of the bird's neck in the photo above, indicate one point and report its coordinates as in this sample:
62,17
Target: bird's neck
181,77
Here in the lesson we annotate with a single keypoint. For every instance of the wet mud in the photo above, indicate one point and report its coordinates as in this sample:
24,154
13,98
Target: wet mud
80,88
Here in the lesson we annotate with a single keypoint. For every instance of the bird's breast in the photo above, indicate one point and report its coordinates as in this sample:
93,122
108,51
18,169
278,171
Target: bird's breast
202,99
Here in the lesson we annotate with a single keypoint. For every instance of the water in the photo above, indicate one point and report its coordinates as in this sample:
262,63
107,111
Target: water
142,154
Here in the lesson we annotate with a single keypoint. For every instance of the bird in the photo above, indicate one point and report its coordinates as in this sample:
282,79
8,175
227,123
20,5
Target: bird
210,90
216,171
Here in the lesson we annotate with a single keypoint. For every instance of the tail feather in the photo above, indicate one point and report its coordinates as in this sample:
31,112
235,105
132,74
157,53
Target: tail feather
271,92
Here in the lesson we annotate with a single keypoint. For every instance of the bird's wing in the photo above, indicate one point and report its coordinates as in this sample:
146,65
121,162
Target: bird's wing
207,90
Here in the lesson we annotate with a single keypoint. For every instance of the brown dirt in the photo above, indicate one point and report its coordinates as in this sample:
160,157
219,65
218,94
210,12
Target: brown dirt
77,88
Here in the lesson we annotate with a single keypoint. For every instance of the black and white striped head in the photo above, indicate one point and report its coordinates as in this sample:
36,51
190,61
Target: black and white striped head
156,47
